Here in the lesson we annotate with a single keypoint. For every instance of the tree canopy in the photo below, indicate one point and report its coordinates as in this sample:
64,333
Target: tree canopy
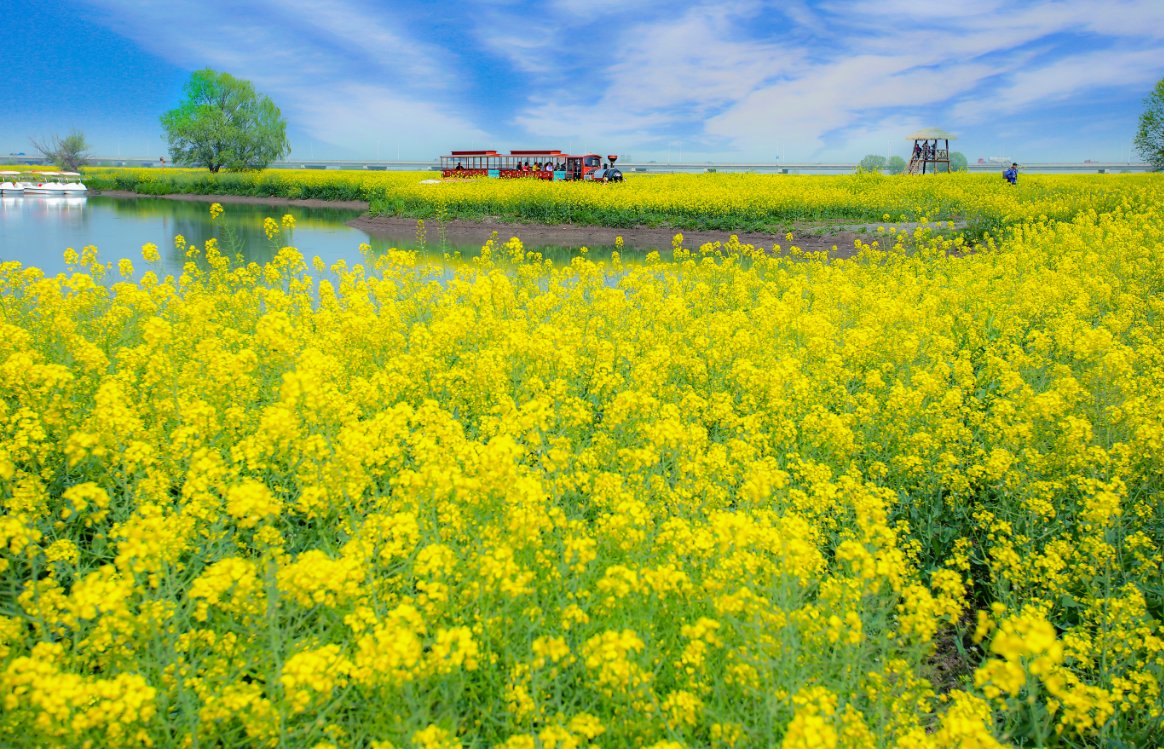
872,163
69,153
958,162
223,123
1150,135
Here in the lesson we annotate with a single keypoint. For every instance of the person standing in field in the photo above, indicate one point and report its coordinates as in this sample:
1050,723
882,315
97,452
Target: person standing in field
1011,174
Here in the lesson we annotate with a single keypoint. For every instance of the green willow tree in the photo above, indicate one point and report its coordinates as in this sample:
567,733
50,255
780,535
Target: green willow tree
223,123
1150,135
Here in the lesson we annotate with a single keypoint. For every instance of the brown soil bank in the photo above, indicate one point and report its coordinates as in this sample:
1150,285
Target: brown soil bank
809,237
355,205
641,238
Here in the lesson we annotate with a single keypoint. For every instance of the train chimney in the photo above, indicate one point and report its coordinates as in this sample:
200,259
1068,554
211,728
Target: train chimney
613,158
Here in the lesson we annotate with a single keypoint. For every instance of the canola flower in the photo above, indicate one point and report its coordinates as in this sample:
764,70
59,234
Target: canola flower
741,499
723,201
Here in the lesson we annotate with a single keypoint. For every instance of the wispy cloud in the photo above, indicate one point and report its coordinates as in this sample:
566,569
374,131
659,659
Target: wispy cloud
1060,80
343,73
735,78
666,74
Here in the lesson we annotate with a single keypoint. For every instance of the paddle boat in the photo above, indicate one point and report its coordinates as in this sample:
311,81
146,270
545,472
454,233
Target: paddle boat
45,183
9,185
72,184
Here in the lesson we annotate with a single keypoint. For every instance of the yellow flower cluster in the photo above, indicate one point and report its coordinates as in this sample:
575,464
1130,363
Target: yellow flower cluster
735,499
710,201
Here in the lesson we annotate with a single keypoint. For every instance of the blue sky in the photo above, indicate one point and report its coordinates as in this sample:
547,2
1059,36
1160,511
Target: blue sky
722,81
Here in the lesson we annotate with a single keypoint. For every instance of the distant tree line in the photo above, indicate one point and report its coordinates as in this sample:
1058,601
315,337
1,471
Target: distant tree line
896,164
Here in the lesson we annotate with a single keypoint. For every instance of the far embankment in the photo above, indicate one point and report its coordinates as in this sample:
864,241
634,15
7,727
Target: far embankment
629,166
761,204
356,205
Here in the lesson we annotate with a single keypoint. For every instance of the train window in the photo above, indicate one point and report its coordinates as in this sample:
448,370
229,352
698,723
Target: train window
593,161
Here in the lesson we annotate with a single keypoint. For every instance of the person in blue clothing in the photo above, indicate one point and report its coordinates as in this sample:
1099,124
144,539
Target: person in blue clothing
1011,174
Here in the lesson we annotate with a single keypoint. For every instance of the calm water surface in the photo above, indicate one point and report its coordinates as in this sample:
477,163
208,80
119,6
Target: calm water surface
36,230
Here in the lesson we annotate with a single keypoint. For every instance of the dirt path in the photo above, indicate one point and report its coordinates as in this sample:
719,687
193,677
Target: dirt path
463,232
810,237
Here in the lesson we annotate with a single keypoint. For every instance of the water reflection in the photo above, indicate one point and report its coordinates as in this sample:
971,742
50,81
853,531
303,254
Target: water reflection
36,230
239,230
38,204
56,202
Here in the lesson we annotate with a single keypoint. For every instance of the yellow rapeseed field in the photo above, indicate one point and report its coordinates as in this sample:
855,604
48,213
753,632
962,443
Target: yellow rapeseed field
707,201
737,499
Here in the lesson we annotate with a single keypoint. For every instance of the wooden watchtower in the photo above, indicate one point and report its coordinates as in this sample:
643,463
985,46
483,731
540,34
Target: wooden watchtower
931,151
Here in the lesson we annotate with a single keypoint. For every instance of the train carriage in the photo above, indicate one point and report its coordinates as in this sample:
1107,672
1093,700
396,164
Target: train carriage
543,164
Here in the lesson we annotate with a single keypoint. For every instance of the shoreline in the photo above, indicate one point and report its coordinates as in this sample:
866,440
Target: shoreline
477,232
355,205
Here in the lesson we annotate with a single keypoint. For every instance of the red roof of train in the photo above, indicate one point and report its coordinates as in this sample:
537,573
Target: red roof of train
537,152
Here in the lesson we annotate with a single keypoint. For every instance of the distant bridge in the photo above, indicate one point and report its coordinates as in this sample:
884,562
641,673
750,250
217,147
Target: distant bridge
1092,167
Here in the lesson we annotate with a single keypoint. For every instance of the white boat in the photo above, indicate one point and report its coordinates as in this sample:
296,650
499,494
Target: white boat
72,184
43,183
9,184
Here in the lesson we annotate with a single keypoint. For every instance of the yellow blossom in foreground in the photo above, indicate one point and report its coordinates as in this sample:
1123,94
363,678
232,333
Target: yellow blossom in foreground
723,495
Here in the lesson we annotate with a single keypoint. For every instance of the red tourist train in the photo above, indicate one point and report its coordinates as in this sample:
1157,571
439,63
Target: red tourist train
550,165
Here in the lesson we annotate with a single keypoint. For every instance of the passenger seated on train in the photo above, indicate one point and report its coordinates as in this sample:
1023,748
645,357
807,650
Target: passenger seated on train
459,167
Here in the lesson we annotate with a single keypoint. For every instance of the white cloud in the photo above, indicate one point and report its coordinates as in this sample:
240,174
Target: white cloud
697,61
367,119
1063,79
708,66
663,74
801,112
528,53
962,66
741,76
590,9
343,72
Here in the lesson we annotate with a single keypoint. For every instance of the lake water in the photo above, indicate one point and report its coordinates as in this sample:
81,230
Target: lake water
36,230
